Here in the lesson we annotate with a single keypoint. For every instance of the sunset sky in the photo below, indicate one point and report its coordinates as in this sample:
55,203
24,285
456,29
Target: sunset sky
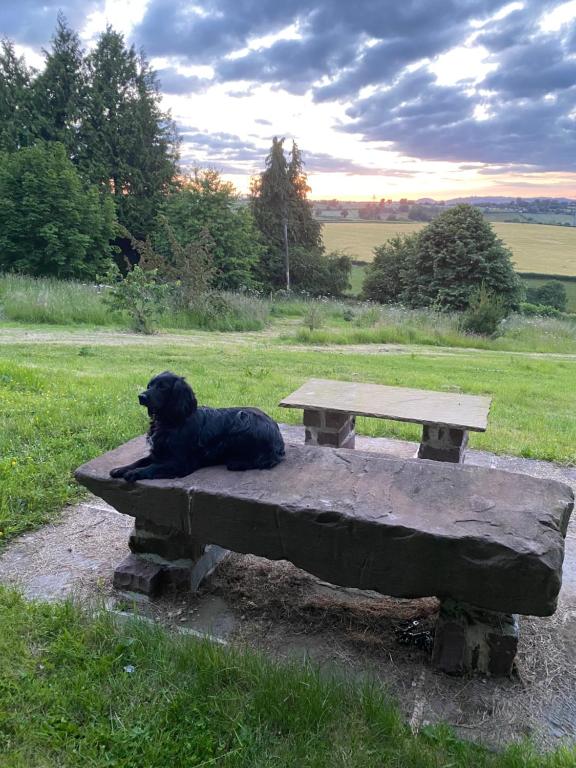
386,98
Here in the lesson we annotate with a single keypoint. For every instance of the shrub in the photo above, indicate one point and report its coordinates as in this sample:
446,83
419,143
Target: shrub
539,310
320,274
485,313
141,297
552,294
314,317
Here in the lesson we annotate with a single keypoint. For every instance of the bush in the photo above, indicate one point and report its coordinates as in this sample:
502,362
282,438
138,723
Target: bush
485,313
320,274
552,294
314,317
539,310
385,278
141,297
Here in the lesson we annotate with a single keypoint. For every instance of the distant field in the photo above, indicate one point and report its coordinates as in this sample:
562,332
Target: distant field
536,248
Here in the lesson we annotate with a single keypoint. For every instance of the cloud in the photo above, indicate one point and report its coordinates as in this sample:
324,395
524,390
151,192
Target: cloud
32,22
320,162
172,81
220,146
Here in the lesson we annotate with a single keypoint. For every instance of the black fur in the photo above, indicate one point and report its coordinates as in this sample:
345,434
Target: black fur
184,437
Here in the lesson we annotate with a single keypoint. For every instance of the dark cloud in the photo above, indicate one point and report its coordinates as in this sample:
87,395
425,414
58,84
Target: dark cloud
31,22
220,146
437,123
323,163
533,69
261,121
172,81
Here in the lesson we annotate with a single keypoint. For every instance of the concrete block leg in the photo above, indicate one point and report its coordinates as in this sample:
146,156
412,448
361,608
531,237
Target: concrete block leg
441,443
164,558
469,639
332,428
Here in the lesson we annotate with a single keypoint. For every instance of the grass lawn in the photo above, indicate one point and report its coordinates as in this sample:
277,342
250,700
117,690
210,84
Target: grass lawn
63,404
536,248
79,691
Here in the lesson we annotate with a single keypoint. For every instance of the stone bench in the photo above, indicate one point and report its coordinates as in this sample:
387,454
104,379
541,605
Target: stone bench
489,544
330,409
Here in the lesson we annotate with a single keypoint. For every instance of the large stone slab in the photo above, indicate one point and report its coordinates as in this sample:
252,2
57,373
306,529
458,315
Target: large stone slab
404,528
420,406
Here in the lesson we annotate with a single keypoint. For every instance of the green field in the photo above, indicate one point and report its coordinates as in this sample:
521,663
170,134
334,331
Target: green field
536,248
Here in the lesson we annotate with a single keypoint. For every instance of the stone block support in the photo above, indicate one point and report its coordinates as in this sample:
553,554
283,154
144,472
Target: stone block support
441,443
164,558
329,428
470,639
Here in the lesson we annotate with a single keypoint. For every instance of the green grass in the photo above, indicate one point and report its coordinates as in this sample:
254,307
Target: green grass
535,247
63,404
79,691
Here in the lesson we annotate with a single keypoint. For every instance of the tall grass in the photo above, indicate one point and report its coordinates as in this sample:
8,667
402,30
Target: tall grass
44,300
49,301
372,324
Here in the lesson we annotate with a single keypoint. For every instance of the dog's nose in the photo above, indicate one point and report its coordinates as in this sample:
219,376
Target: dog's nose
143,398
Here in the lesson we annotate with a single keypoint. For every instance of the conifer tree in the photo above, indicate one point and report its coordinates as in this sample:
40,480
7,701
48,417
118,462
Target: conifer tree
60,90
17,124
129,145
283,213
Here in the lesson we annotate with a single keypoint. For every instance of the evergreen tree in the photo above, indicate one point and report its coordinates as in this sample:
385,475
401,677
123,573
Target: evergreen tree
17,126
51,223
303,229
60,90
129,145
270,194
282,212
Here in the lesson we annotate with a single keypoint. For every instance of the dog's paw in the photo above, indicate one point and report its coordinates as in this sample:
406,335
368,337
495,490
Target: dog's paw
131,476
118,472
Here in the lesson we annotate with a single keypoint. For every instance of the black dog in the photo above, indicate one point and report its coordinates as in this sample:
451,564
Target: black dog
184,437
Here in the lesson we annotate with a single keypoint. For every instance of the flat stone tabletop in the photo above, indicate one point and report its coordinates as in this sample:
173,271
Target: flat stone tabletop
398,403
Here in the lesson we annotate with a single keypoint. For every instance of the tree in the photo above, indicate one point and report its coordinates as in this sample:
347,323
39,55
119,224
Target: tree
283,213
207,204
445,264
270,193
17,124
51,222
550,294
303,229
458,252
129,145
60,90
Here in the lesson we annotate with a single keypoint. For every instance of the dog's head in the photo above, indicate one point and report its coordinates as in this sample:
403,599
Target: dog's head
168,398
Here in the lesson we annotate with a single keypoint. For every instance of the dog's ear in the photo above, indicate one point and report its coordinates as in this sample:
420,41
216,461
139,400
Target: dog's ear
182,402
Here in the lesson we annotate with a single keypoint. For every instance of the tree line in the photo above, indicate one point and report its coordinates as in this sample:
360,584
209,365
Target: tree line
89,170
